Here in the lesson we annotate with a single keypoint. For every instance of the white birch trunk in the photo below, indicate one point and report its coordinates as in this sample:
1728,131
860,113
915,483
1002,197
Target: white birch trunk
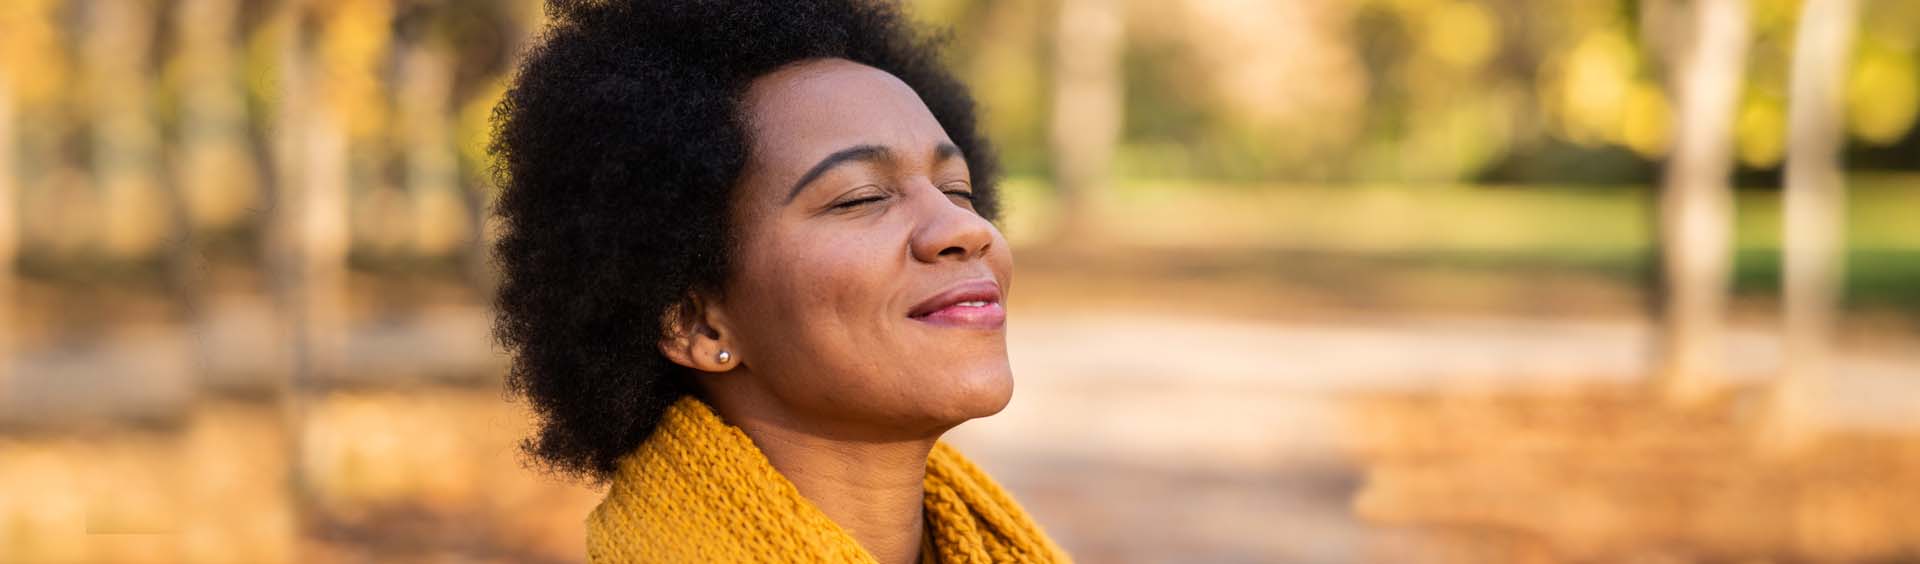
1696,203
1813,215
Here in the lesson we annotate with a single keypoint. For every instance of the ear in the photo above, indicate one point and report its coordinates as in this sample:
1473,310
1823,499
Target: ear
693,336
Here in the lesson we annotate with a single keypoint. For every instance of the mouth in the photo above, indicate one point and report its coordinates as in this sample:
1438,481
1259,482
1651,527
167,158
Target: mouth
971,304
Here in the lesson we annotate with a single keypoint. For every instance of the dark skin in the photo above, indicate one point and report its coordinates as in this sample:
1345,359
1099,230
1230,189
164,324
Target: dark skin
852,211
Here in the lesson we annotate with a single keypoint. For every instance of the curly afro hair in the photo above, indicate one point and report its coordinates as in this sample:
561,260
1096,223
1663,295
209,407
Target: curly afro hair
617,147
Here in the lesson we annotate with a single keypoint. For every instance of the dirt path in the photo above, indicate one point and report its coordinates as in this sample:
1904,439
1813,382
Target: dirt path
1145,438
1133,437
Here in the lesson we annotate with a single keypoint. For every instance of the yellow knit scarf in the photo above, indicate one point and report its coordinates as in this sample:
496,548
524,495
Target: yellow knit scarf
699,491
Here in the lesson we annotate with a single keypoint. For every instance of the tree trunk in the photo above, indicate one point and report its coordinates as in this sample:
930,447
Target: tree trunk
9,194
307,238
432,166
310,239
1696,204
126,142
215,169
1086,110
1813,214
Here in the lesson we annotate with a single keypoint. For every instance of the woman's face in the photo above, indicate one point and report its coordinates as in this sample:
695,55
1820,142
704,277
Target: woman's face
866,294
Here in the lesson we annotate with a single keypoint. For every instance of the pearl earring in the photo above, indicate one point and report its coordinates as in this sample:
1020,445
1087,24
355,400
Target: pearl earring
723,357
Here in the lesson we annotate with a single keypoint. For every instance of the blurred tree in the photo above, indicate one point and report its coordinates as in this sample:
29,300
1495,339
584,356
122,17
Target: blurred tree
1882,85
213,177
17,24
215,169
422,123
1814,213
306,239
9,194
117,39
311,218
489,38
1000,45
9,243
1696,203
1087,101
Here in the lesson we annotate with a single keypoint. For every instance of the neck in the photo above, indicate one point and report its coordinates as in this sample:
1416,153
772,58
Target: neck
873,489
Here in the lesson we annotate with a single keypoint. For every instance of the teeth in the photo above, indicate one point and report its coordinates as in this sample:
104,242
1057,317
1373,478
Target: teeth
975,303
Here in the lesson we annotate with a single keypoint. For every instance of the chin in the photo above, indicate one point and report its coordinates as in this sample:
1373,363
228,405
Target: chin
975,393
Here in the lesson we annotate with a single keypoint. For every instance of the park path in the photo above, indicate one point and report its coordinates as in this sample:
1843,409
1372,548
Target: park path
1133,437
1148,438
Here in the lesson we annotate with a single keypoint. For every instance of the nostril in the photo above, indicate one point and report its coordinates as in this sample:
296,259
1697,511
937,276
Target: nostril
964,252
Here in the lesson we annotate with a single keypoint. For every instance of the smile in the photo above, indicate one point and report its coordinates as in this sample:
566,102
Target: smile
974,304
973,314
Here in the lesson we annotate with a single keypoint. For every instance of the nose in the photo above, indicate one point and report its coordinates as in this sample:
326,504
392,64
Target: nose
948,230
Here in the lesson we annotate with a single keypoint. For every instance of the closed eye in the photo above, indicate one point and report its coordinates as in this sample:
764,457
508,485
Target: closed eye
857,202
961,189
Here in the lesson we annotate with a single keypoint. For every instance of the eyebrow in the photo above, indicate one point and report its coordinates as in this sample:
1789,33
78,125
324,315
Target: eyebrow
860,153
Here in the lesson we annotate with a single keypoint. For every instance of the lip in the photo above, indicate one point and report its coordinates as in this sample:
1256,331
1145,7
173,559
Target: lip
945,307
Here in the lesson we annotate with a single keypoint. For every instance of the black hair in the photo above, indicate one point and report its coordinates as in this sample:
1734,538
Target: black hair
617,146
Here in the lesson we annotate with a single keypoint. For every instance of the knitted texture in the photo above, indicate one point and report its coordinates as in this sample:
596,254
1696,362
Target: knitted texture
698,490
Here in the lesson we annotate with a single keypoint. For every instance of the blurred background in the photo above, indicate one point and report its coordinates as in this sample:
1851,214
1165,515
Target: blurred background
1299,280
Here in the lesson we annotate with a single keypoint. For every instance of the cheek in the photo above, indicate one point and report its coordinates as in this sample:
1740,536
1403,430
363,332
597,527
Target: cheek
821,327
828,286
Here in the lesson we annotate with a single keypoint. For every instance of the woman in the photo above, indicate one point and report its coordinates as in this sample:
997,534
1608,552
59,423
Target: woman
749,279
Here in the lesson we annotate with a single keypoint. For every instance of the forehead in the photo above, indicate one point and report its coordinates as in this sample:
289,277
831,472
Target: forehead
810,109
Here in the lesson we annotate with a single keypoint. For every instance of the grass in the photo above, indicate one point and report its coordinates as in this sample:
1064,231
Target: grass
1603,231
